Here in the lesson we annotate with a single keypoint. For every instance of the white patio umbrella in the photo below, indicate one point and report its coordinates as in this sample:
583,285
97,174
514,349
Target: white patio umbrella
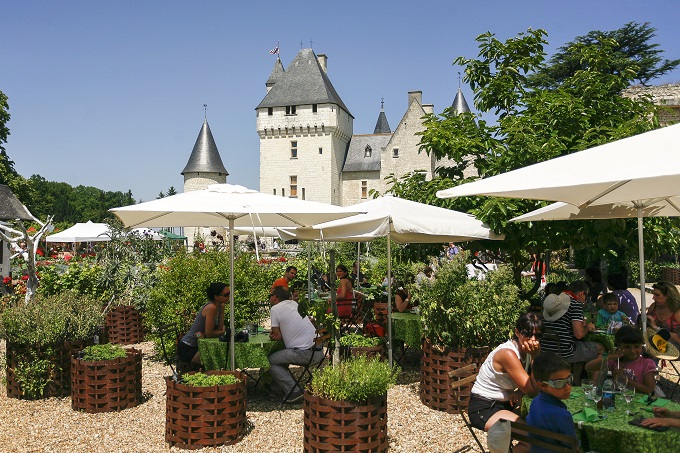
401,220
641,171
232,206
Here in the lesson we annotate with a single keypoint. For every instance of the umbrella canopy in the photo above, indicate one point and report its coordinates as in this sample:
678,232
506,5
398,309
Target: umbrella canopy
566,211
401,220
232,206
82,232
642,171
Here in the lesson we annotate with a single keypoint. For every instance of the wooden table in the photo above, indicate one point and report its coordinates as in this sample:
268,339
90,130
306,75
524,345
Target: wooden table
614,434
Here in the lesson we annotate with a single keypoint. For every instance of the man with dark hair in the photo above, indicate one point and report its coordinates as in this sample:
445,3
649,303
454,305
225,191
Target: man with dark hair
288,276
298,336
563,315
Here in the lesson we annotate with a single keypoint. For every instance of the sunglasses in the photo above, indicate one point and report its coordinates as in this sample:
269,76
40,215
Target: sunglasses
227,294
536,335
559,383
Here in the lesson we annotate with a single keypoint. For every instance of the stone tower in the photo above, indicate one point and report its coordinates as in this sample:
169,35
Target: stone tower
304,128
204,168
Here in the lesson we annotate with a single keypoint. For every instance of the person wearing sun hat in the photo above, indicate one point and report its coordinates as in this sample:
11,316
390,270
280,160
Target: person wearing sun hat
563,314
659,345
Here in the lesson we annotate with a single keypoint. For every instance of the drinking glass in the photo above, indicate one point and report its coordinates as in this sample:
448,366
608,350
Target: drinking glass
628,395
587,386
596,393
621,380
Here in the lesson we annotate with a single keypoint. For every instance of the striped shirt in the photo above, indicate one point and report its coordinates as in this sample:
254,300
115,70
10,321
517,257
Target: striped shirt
564,330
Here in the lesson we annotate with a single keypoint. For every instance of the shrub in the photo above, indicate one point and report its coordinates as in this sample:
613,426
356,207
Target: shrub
106,351
459,312
207,380
355,340
357,380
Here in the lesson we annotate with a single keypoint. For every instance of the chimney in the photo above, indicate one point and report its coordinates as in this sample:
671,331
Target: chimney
429,108
415,95
323,61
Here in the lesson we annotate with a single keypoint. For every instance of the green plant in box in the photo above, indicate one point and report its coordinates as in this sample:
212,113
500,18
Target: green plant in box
355,340
208,380
357,380
459,312
106,351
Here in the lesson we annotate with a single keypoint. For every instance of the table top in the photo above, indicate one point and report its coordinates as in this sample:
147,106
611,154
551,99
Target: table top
614,434
250,354
407,328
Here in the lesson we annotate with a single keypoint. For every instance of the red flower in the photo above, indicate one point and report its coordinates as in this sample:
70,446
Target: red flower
7,280
24,277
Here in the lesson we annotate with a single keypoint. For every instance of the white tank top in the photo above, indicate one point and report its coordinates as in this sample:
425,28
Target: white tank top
491,384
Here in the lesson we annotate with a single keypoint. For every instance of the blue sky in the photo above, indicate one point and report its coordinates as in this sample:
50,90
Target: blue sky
110,94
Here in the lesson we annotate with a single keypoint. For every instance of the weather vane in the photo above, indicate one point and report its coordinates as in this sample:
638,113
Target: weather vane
205,111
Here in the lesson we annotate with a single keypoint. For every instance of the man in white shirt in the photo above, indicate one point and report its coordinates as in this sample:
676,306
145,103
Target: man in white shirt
298,336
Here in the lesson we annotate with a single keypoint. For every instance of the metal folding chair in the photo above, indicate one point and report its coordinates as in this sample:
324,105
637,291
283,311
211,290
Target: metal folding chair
322,342
463,377
180,367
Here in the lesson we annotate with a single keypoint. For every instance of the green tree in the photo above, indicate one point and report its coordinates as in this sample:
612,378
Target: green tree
533,124
171,191
8,175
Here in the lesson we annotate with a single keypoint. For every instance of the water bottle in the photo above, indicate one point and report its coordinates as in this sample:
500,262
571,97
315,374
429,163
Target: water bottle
608,394
602,377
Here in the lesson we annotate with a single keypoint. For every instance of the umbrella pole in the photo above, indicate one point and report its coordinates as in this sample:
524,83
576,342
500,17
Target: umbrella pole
231,292
309,272
389,299
641,252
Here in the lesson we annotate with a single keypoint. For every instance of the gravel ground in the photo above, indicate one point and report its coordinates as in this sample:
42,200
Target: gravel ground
50,425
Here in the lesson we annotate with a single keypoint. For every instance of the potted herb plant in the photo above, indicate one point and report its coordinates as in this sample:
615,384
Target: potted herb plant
354,344
205,409
106,378
345,409
463,318
41,336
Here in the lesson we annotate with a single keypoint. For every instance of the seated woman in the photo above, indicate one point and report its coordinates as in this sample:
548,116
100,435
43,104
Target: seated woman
345,293
503,379
665,311
209,323
402,299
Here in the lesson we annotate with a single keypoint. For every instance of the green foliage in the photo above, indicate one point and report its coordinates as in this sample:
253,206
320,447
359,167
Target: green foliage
108,351
208,380
357,380
459,312
48,320
33,375
355,340
79,275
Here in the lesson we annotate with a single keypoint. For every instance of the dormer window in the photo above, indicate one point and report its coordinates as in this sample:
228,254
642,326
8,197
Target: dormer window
367,151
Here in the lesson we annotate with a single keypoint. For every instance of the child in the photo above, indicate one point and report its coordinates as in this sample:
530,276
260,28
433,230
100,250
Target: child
628,341
610,312
547,411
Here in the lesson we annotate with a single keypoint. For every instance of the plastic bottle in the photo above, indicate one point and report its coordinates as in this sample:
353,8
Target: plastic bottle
608,394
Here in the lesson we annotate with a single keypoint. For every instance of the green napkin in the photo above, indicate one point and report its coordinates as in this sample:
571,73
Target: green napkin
660,402
587,415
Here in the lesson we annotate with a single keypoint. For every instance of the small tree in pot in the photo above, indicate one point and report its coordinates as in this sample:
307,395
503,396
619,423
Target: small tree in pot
462,319
346,407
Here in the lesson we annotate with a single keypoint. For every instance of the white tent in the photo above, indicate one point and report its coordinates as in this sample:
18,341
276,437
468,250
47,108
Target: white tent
640,171
401,220
232,206
82,232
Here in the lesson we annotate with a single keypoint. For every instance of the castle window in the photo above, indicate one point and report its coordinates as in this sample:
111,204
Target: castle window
270,111
364,189
283,192
293,149
314,108
303,193
395,152
290,109
274,191
320,150
293,186
367,151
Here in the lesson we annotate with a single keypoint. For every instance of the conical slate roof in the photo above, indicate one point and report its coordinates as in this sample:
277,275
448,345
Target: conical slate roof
303,82
382,126
10,206
459,103
277,71
205,158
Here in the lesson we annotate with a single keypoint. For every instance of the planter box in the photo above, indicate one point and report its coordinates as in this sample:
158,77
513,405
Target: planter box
106,385
124,325
435,384
197,417
332,426
60,366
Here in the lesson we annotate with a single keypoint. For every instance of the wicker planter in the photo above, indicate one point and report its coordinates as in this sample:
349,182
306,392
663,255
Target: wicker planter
331,426
106,385
124,325
435,365
197,417
59,356
671,275
368,351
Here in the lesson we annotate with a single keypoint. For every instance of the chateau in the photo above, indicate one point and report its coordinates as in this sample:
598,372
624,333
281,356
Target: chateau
308,148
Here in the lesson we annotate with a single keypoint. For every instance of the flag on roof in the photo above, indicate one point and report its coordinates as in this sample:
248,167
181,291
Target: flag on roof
275,50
